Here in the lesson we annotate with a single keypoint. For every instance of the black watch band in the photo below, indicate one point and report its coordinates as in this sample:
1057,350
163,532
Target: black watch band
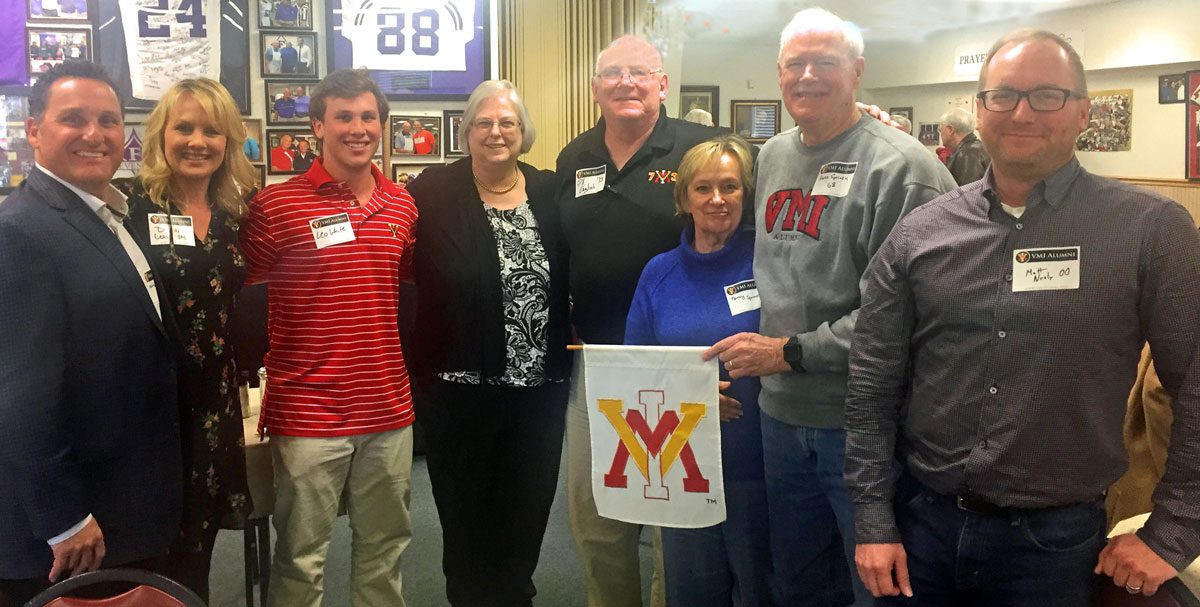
793,354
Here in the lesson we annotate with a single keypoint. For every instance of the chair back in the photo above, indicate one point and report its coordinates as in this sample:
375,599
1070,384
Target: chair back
150,590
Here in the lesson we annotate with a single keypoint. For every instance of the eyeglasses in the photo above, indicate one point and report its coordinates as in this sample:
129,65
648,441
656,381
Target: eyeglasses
484,125
637,75
1047,99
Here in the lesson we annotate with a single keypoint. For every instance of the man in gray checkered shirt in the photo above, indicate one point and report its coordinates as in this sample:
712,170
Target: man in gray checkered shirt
997,341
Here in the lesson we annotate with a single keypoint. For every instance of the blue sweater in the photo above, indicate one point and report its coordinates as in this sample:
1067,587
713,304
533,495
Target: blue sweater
681,301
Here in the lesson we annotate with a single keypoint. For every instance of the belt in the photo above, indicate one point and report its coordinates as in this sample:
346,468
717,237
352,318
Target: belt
977,505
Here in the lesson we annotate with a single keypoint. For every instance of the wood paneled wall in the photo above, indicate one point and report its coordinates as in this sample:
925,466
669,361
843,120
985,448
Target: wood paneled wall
1186,193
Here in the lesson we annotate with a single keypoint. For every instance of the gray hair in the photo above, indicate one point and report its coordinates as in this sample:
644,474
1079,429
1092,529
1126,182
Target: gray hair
487,90
960,120
1030,35
904,123
821,20
699,116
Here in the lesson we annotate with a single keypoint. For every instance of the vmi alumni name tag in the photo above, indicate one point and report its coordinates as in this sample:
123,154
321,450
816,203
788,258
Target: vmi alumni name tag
335,229
589,181
835,178
171,229
742,297
1049,269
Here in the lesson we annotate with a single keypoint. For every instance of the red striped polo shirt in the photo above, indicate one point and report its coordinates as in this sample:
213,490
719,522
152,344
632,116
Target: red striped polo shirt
335,366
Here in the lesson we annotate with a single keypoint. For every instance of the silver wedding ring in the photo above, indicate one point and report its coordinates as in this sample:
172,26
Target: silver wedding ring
1133,589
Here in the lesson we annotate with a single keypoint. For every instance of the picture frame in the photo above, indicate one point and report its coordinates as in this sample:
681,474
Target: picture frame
287,60
48,46
1172,88
446,55
755,121
253,146
261,169
62,11
403,173
1110,122
451,123
281,160
278,15
16,155
905,111
414,147
1191,116
156,67
927,134
131,151
287,101
700,96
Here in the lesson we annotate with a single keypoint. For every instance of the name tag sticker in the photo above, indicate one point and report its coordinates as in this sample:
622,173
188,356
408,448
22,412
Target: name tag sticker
335,229
834,178
742,297
171,229
589,181
1051,269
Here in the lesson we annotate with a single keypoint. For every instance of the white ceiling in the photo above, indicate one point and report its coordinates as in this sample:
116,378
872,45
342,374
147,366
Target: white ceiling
743,21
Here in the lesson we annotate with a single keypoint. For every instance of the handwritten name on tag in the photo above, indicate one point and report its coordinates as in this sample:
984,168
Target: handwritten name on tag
171,229
742,297
331,230
589,181
835,178
1047,269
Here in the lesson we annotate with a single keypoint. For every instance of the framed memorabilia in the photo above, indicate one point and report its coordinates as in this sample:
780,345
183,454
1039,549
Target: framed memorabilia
262,175
147,50
56,10
415,138
1172,88
1191,140
253,147
287,102
451,123
755,121
414,50
285,15
291,151
927,134
404,173
1110,122
50,46
287,55
16,155
907,112
700,97
131,151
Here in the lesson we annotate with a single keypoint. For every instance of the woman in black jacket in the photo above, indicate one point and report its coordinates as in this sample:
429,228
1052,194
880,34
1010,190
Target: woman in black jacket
489,351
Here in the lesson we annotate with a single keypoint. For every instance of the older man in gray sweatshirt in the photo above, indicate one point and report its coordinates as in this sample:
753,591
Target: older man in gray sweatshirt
828,193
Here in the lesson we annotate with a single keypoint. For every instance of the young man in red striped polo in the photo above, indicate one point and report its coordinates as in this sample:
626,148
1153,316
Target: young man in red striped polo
334,244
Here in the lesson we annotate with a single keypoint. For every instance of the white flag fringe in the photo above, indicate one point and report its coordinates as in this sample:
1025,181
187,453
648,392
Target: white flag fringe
656,435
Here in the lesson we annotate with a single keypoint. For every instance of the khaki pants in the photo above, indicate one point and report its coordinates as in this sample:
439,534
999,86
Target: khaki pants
608,548
374,471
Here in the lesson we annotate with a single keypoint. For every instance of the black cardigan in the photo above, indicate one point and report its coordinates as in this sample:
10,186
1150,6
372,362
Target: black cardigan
460,316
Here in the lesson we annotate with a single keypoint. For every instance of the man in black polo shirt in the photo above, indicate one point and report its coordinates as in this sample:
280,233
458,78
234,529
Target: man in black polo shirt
618,180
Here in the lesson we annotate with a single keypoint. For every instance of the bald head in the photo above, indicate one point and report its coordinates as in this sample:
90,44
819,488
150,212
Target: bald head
631,46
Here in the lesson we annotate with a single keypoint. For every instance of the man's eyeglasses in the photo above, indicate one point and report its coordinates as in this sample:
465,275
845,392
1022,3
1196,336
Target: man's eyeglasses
486,126
1047,99
637,75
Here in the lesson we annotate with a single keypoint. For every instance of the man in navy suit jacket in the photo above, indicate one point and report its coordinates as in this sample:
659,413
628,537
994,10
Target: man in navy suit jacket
90,470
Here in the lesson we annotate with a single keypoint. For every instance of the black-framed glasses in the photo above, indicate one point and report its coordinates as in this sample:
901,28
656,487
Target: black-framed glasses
1044,99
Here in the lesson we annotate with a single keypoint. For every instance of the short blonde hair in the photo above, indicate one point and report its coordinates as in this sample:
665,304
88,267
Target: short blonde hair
234,178
701,155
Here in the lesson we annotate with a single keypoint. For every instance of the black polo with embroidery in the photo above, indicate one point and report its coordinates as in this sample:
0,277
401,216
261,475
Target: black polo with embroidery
615,221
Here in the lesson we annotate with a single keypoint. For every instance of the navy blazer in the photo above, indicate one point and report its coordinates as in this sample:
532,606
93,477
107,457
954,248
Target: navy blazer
88,418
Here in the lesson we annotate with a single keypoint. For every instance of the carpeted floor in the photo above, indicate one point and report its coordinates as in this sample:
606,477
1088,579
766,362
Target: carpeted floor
559,577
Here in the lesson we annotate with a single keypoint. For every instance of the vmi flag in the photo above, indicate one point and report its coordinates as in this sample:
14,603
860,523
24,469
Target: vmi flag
656,435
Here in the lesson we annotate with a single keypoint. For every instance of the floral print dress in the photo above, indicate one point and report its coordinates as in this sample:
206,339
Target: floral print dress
202,283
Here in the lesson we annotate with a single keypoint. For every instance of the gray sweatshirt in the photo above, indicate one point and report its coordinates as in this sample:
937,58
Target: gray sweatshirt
812,248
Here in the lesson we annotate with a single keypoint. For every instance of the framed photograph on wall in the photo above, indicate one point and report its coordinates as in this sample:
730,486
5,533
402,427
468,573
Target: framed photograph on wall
288,55
131,151
253,147
50,46
404,173
905,111
1191,149
755,121
287,102
700,97
16,155
188,40
1110,122
285,15
262,175
927,134
444,47
415,138
1172,88
291,151
451,123
56,10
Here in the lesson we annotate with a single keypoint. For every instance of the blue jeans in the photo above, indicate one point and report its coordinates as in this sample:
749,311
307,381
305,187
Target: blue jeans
725,564
811,516
1029,557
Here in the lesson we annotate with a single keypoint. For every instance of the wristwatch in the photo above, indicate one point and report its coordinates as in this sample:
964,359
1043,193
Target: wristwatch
793,354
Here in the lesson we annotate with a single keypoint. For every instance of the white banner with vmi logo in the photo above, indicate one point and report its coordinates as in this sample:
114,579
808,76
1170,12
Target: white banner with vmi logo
656,435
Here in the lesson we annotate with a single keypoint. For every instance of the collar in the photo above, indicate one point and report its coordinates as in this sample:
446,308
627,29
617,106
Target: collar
837,139
322,181
661,138
731,248
1052,190
968,138
116,200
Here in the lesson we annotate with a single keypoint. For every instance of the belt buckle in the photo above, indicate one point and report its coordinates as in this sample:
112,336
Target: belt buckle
975,505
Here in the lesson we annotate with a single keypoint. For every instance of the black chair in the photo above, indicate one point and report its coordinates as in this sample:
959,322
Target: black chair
150,590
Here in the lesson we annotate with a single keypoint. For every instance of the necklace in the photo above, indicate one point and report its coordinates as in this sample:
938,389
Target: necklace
506,190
